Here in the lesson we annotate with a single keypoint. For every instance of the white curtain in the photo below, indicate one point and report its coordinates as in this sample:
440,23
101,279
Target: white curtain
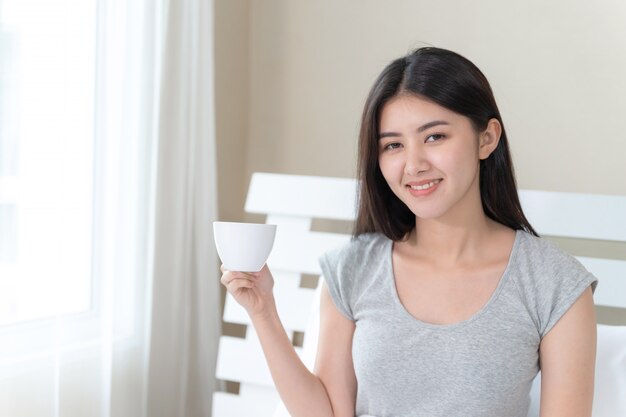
185,324
146,345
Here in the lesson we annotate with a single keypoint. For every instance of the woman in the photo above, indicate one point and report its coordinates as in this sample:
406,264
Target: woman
445,302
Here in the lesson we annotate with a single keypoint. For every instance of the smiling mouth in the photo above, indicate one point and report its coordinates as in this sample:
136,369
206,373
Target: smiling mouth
424,186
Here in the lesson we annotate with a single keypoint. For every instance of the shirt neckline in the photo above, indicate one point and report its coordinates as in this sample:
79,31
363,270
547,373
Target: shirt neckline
398,303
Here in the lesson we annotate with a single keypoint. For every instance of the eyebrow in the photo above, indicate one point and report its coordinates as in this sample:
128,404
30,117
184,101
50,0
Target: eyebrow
419,129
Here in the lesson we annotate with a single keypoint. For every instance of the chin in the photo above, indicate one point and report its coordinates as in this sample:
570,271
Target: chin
424,213
429,216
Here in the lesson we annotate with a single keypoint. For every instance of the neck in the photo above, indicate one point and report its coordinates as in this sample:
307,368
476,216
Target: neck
451,243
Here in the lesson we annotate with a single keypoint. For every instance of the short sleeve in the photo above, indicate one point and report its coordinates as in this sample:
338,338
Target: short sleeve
564,287
337,281
549,280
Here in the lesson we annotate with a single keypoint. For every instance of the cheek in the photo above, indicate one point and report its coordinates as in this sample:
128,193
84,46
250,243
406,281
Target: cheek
460,160
391,168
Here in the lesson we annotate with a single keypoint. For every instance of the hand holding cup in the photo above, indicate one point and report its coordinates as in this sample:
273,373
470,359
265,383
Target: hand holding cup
243,246
244,249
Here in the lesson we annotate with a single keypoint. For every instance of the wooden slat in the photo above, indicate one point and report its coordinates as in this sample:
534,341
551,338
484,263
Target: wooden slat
298,251
611,290
311,334
299,195
242,360
291,303
234,313
285,280
294,223
258,403
590,216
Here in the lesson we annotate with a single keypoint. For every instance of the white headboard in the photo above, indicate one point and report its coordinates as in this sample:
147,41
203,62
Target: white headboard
293,201
584,216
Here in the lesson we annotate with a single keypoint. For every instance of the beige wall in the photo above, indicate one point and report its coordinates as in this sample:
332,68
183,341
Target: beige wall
292,76
232,91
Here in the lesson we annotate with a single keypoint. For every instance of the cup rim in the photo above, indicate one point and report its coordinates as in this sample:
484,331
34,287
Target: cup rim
244,223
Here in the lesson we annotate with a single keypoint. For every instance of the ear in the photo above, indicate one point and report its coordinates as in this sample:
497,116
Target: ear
489,138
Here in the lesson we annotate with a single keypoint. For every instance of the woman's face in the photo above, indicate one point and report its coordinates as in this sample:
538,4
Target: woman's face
430,157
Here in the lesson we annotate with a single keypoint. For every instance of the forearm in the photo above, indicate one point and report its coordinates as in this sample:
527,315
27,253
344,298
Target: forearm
302,392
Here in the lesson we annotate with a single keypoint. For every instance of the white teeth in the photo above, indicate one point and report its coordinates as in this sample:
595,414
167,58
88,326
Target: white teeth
425,186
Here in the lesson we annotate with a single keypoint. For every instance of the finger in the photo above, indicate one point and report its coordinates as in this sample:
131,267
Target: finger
241,274
228,277
238,284
224,270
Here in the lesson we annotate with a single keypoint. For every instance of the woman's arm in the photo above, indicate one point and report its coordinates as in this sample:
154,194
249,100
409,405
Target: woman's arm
333,363
568,355
303,393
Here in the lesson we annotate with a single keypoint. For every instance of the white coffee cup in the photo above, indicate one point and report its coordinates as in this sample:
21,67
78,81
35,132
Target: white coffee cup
243,246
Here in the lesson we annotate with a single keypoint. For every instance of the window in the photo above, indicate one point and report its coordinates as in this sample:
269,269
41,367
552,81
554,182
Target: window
47,85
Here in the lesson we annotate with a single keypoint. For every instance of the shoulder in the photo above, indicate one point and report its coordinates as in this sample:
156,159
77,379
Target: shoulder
539,257
359,254
347,269
354,252
549,279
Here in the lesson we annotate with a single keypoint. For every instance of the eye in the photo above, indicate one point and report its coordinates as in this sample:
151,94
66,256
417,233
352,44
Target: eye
391,146
434,138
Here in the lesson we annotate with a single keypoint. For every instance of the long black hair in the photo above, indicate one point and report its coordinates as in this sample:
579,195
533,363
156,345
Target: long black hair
455,83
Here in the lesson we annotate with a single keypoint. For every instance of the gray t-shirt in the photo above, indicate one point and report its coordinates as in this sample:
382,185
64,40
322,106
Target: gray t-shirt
480,367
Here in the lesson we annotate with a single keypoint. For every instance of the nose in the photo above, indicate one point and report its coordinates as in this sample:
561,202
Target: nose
416,161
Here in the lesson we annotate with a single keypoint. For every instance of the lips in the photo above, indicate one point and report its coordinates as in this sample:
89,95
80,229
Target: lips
423,188
424,185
